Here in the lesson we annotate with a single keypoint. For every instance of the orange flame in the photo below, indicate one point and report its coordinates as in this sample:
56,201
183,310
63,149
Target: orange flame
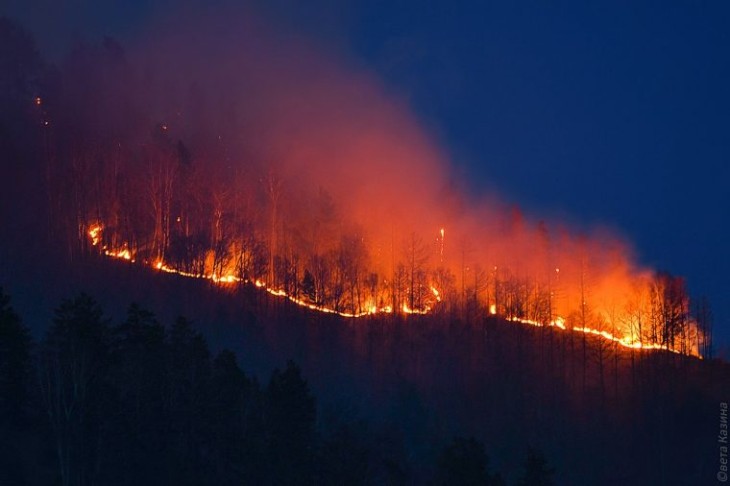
631,342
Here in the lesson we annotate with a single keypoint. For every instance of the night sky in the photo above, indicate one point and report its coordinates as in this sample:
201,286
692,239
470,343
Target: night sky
613,113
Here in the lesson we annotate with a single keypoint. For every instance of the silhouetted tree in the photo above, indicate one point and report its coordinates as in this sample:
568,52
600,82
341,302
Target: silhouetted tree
308,287
274,190
188,370
139,377
73,367
416,259
703,315
670,310
15,363
235,425
290,418
16,370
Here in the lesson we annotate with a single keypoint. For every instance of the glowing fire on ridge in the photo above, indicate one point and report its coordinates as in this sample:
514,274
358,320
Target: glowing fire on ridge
95,235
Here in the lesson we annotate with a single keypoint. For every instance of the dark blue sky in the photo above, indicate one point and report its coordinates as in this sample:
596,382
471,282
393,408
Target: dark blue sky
613,113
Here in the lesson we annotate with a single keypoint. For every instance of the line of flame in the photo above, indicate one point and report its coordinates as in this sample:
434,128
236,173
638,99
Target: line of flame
558,322
625,342
232,279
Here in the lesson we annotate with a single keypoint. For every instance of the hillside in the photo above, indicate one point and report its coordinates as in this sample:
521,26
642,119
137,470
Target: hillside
427,378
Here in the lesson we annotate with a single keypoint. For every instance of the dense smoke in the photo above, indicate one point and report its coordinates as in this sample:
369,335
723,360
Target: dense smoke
218,146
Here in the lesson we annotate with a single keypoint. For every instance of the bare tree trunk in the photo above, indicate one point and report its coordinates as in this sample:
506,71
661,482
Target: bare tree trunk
274,191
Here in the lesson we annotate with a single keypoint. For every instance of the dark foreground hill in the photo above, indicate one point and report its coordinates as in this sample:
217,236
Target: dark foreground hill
601,414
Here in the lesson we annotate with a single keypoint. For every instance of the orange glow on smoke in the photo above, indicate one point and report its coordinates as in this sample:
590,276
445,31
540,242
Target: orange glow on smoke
336,169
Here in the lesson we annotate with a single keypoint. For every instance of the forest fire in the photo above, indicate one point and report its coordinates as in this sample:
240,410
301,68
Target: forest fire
328,193
282,244
95,234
